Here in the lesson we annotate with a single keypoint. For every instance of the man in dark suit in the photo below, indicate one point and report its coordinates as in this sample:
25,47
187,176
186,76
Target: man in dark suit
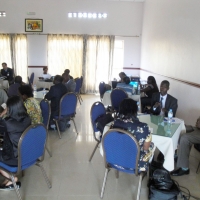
7,72
55,94
161,102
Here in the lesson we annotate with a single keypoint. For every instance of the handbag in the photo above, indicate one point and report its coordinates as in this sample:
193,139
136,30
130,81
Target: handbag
161,186
102,120
162,179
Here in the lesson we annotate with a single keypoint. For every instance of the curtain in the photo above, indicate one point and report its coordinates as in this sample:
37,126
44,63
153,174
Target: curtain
65,52
5,53
19,55
98,53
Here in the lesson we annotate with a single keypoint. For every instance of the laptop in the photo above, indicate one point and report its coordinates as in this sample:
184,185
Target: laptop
134,84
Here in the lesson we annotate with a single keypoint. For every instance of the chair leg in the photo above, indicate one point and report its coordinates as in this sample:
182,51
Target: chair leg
44,174
117,174
79,98
139,185
198,168
58,129
75,126
95,148
48,151
104,182
15,186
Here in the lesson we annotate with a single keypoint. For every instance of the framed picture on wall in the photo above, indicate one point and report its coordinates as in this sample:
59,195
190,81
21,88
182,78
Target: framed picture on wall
33,25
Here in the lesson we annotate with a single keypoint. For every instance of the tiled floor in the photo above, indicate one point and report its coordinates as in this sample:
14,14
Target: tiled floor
74,178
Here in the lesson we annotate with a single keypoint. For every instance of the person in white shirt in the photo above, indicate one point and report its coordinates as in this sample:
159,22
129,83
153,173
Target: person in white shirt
45,75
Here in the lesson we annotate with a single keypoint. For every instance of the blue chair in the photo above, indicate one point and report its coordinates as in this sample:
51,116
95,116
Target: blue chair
97,110
13,89
78,89
31,79
46,113
121,152
117,96
67,109
31,149
102,90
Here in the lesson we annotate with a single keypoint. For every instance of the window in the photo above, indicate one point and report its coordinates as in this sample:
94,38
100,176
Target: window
118,58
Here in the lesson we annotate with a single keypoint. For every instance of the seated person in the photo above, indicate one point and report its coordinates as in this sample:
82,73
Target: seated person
69,83
127,120
125,85
3,96
149,90
121,76
12,127
31,104
7,73
13,89
186,142
45,74
161,101
55,94
67,71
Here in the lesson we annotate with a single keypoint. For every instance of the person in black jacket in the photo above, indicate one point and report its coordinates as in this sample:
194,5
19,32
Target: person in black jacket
55,94
7,72
12,127
161,102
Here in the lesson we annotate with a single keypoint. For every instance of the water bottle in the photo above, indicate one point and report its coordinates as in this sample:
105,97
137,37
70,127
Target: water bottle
138,92
44,92
170,116
133,91
138,105
35,88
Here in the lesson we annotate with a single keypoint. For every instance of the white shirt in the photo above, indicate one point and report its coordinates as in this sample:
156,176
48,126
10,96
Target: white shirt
46,76
163,103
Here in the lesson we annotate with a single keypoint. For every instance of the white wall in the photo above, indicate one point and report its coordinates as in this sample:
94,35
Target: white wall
171,46
124,18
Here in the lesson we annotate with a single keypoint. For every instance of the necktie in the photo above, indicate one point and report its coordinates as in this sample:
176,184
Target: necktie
161,105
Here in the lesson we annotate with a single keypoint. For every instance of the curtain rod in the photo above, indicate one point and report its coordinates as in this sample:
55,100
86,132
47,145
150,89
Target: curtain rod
69,34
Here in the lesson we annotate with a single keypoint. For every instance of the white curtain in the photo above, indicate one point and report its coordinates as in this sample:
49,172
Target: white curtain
5,55
65,52
19,55
98,61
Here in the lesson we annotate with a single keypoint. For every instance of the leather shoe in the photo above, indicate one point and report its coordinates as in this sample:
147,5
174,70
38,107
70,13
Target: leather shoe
10,187
180,172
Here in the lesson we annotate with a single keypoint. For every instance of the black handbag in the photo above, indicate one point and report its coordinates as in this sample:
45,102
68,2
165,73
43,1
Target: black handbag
102,120
162,179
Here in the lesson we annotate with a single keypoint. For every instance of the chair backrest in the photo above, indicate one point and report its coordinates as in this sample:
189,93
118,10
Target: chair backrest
46,111
121,151
81,81
102,89
13,89
32,78
68,104
117,96
78,85
97,110
31,146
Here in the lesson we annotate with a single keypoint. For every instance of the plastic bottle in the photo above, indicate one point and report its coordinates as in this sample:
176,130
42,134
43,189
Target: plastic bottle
138,92
44,92
170,116
138,104
133,91
35,88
